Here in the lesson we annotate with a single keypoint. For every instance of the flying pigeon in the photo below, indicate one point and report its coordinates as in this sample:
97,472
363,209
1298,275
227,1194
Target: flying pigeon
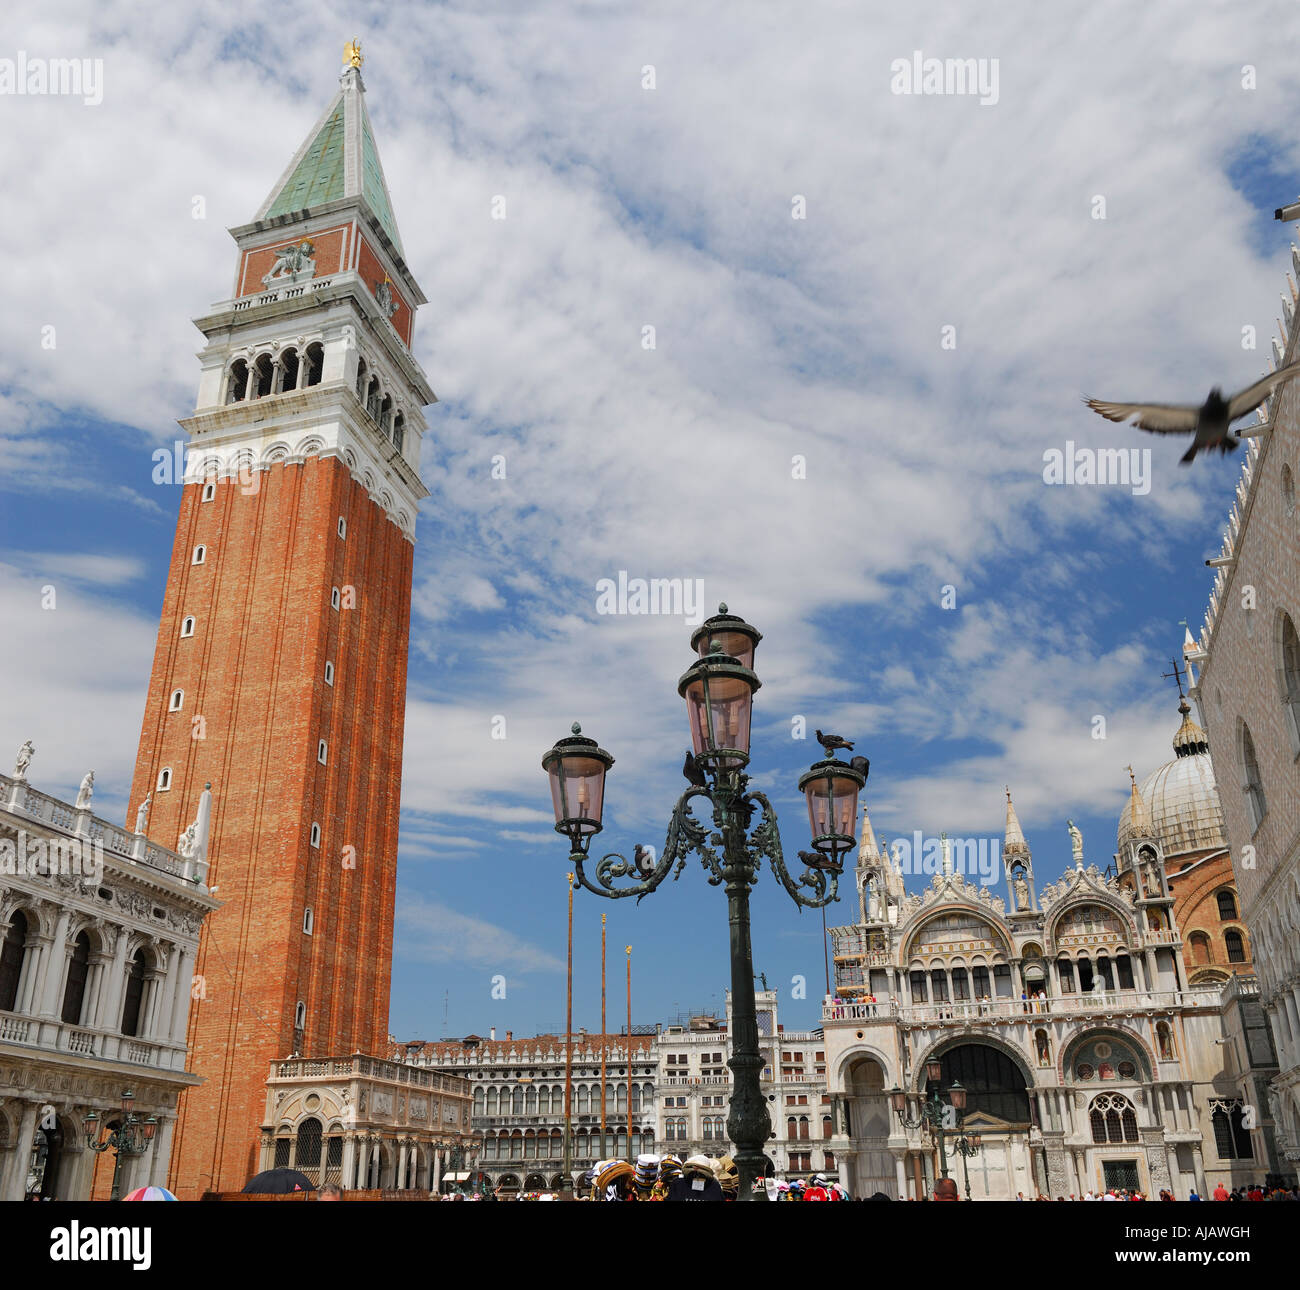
862,765
693,771
831,742
1210,421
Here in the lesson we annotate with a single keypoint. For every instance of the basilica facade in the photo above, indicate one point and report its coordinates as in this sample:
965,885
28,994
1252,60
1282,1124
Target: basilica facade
1065,1013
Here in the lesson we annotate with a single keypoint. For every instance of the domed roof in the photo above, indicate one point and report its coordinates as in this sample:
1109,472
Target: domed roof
1181,797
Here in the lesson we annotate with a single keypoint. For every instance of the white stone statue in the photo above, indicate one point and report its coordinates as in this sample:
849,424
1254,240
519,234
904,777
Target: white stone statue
1022,892
24,759
86,792
142,815
185,847
1076,843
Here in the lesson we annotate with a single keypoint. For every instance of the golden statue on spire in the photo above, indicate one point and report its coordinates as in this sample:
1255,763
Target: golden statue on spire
352,53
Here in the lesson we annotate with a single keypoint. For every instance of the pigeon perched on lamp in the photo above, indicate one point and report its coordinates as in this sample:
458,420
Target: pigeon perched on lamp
693,771
830,743
1209,421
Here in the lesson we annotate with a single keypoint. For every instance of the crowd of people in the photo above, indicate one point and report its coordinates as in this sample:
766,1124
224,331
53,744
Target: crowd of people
1255,1191
697,1178
709,1178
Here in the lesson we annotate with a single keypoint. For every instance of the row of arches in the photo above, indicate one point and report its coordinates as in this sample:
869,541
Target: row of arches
274,373
87,987
379,404
548,1099
548,1144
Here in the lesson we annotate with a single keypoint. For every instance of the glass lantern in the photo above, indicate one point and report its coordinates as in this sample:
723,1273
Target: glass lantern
719,694
831,789
577,766
733,635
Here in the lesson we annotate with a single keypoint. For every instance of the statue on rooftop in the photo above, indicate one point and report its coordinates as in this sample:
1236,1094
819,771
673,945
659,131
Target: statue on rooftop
24,759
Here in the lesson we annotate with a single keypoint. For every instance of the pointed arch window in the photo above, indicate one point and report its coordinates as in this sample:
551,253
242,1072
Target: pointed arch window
177,701
200,554
1252,785
187,626
1289,678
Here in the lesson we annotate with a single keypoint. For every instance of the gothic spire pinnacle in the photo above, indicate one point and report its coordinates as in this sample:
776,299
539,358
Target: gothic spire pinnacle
868,847
1014,843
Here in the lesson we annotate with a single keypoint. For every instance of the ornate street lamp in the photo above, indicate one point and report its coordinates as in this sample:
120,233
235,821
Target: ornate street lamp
130,1138
719,691
966,1146
935,1116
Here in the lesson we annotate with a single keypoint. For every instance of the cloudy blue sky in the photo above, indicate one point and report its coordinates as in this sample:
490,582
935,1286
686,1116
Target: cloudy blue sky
775,337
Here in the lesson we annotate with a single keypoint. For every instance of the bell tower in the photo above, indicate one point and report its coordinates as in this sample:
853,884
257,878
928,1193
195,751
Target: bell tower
280,668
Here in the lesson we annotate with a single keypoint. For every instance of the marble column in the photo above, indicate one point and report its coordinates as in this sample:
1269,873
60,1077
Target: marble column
162,1019
160,1155
401,1166
55,966
99,962
14,1184
110,1013
348,1178
181,999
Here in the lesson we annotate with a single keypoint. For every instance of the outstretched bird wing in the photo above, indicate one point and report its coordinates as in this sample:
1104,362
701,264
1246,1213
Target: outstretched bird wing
1253,395
1162,418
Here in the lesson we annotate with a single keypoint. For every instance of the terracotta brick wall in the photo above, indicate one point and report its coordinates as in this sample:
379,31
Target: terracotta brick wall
254,672
1196,910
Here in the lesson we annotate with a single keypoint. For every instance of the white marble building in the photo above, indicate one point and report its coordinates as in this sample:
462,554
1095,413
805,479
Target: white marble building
98,932
693,1090
1116,1078
365,1123
1245,666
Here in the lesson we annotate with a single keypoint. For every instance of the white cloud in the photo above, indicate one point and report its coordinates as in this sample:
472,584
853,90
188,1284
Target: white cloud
430,932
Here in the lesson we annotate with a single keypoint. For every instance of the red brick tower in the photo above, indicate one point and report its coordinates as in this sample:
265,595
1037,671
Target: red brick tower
280,669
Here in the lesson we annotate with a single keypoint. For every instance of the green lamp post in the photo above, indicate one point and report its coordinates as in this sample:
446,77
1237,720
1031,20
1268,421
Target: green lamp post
130,1138
718,690
939,1117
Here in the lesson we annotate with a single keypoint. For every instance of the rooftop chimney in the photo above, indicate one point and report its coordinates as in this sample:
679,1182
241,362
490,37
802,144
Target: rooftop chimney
492,1034
509,1035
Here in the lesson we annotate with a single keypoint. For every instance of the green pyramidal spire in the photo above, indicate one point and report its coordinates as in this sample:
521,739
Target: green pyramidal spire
337,159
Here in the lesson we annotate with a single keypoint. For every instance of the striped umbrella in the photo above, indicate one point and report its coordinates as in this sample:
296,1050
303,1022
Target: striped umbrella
150,1193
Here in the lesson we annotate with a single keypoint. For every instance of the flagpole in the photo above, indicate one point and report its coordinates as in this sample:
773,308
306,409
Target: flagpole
604,1042
566,1187
629,1056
